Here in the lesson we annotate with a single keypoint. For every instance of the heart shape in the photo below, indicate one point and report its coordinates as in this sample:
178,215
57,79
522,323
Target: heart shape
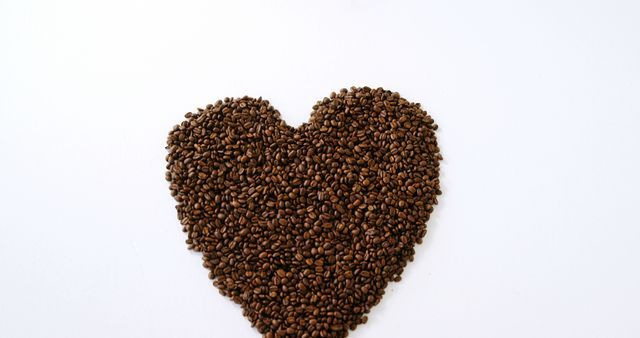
305,227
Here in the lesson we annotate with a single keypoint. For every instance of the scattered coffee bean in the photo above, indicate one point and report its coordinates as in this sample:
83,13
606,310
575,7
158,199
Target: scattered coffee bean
305,227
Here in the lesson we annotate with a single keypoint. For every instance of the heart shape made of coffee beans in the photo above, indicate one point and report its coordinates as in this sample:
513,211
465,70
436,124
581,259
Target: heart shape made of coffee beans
305,227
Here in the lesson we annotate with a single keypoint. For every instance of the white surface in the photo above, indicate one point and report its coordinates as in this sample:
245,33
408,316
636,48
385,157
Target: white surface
538,230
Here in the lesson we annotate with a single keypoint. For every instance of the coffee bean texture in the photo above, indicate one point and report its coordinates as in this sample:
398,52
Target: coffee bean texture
305,227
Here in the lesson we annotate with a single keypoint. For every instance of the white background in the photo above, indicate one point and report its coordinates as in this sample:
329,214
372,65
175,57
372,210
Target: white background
538,230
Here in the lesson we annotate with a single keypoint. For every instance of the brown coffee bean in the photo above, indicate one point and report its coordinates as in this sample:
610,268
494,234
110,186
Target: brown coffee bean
305,227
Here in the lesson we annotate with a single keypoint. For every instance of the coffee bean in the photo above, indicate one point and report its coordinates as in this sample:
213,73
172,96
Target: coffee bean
305,227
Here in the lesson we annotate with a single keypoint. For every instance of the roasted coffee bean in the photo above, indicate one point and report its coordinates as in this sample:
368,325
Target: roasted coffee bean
305,227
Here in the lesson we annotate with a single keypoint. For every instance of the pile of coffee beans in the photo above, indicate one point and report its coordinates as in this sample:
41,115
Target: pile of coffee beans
305,227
